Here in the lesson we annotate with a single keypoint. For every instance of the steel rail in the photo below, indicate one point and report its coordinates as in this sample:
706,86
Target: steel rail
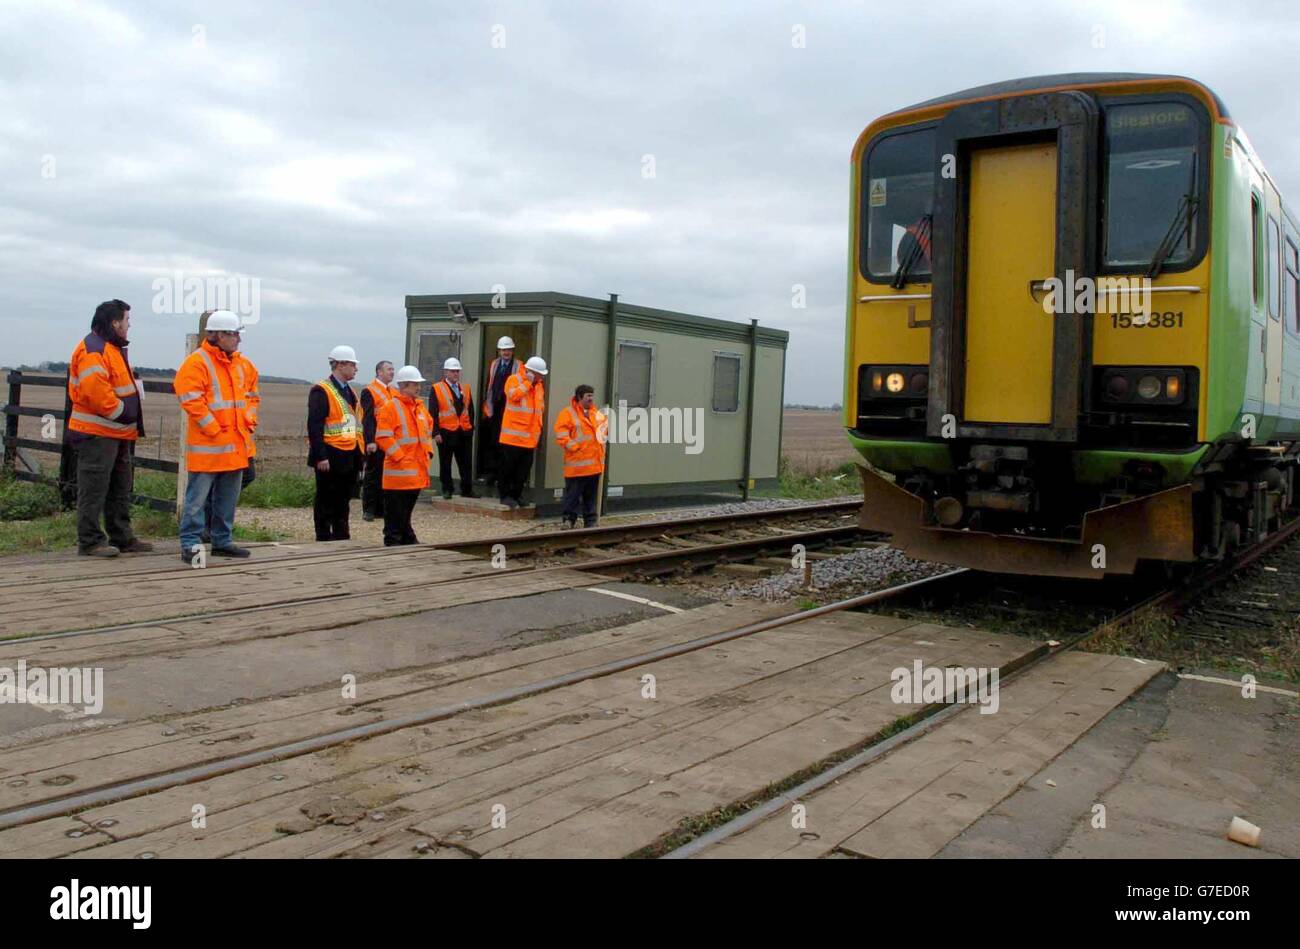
731,549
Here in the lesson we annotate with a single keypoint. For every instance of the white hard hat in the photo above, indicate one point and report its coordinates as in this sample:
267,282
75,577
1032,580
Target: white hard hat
451,363
223,320
343,354
408,374
537,364
505,342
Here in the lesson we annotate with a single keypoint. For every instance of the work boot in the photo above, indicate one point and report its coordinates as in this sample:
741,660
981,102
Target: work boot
189,556
367,516
446,495
511,503
99,550
136,546
567,525
231,551
589,521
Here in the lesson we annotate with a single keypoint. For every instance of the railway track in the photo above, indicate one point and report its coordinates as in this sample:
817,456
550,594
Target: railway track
928,719
646,549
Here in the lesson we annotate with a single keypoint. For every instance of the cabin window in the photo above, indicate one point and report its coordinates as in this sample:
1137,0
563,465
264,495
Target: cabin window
897,199
726,382
635,374
1152,184
1274,283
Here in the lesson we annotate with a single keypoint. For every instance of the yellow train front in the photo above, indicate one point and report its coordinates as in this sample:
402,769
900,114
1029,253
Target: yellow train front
1072,340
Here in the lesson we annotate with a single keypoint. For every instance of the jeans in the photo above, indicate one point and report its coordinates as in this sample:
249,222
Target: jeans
224,487
104,481
250,475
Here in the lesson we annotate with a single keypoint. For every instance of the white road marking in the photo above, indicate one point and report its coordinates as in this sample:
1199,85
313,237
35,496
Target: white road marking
1236,684
636,599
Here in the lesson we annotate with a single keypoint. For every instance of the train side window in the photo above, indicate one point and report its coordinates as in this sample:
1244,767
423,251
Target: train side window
1254,248
1274,284
1291,287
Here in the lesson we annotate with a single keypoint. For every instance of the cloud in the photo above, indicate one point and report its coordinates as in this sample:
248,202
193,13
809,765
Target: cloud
346,157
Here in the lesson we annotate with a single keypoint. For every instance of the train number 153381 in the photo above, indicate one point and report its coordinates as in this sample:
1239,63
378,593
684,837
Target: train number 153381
1137,321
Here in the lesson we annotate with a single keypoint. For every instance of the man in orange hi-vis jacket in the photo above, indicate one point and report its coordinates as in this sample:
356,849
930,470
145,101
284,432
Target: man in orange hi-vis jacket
102,429
218,436
581,430
404,433
521,429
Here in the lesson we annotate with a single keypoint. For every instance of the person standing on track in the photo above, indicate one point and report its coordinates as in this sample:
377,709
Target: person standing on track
105,422
373,398
452,405
521,429
404,432
219,436
494,406
334,444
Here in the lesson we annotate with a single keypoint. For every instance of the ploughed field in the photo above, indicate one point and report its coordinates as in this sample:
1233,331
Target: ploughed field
812,441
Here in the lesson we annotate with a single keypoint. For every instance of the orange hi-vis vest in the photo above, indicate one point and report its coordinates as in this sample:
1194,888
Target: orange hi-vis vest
342,430
448,420
492,374
404,433
582,435
102,388
521,423
218,435
382,395
247,374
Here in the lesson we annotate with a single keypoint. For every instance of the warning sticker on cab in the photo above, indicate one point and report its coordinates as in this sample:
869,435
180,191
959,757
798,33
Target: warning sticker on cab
876,192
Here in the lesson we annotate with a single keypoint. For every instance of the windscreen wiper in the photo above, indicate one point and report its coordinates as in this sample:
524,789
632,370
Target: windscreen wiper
914,252
1183,218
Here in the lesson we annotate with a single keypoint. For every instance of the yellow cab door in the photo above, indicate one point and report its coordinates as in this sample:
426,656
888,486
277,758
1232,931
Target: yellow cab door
1011,242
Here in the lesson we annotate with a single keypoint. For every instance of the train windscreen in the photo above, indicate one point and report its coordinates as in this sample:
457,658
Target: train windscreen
897,199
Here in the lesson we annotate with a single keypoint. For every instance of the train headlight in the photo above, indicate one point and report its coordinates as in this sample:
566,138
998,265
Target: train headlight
1143,385
919,383
894,382
877,382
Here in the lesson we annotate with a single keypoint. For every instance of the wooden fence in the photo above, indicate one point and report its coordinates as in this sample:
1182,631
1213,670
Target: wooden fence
59,446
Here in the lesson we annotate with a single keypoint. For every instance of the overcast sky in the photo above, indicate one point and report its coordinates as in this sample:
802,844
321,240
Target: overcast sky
347,154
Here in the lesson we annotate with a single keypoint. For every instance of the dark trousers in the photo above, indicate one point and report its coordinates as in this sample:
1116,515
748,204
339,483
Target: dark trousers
105,479
512,473
580,499
372,485
455,445
489,448
334,494
398,506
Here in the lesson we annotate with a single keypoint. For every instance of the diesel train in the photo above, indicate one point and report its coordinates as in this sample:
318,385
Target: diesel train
1073,328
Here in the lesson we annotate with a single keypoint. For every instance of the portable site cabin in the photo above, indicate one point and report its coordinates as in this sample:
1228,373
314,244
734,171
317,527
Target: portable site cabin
689,418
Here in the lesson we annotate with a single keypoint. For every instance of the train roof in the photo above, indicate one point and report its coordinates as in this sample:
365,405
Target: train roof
1030,83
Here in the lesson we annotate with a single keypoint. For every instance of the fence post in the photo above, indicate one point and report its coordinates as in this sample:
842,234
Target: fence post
182,472
11,421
